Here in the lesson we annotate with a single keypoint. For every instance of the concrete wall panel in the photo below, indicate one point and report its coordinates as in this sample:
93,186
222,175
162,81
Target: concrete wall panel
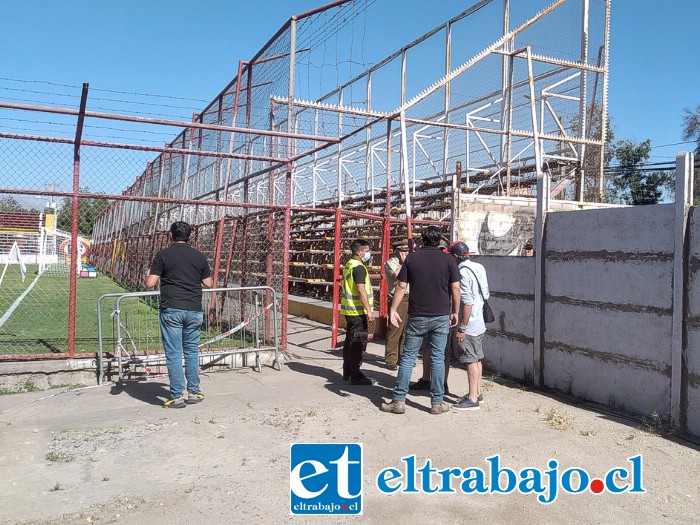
640,229
693,352
512,275
694,232
694,410
512,316
614,334
642,283
508,357
618,385
694,290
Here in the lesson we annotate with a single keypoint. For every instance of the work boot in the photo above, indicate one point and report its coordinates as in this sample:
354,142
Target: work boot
439,408
394,407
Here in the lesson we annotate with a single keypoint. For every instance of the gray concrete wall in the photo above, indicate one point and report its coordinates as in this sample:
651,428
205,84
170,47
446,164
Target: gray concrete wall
608,306
608,311
509,340
692,345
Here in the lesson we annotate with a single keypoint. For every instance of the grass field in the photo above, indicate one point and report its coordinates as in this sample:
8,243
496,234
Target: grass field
39,325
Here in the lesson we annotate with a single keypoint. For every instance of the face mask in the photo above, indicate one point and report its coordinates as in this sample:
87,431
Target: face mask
366,257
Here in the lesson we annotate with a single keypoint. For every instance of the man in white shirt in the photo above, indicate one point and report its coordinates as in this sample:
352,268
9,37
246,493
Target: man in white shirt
474,289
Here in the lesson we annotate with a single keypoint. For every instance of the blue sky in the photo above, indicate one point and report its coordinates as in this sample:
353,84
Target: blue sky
191,50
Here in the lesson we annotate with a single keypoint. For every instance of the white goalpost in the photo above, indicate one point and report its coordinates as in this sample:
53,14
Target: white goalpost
51,258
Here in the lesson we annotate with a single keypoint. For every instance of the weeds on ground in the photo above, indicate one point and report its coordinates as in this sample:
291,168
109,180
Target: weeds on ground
56,487
588,433
59,457
489,382
559,421
28,386
656,426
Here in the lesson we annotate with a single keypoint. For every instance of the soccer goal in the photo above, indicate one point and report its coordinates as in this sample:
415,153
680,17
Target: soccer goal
52,258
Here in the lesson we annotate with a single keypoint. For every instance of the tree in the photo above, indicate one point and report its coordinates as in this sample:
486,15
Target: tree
691,126
88,210
591,157
691,131
10,204
631,183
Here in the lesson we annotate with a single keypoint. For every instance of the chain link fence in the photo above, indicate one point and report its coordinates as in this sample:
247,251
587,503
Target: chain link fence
314,125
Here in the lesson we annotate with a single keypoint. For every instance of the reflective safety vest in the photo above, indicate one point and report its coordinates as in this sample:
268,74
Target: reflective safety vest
350,303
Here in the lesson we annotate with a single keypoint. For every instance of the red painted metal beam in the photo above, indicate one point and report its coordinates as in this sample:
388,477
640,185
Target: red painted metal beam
72,293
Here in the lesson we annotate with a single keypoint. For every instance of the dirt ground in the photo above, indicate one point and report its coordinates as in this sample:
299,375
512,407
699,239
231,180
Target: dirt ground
113,455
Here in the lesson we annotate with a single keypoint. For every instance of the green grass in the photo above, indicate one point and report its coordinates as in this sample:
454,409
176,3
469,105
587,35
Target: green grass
39,325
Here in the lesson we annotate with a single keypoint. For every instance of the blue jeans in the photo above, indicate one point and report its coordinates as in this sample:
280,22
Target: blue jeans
180,330
436,331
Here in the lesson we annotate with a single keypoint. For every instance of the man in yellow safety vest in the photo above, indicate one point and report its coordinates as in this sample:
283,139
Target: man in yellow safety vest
356,300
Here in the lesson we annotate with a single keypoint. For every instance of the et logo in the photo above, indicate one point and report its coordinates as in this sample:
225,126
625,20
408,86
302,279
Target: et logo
325,478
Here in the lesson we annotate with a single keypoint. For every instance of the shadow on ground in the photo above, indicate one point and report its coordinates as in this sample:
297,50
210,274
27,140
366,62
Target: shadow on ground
380,392
146,391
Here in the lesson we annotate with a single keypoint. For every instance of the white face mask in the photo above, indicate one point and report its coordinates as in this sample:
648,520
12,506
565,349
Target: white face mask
366,257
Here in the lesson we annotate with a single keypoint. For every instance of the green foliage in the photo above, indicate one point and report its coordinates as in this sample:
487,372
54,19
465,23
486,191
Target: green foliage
691,131
691,126
591,158
88,210
9,204
631,184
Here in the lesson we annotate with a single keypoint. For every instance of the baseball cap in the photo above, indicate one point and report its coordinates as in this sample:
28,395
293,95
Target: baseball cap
448,248
460,249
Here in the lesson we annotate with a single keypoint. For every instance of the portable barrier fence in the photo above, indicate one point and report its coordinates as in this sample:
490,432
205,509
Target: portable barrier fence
237,321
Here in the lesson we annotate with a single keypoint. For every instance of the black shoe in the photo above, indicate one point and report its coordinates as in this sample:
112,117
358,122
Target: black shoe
421,384
391,367
361,380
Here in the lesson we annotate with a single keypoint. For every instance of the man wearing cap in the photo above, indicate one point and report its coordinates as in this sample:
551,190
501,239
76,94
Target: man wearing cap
434,279
356,304
394,338
470,330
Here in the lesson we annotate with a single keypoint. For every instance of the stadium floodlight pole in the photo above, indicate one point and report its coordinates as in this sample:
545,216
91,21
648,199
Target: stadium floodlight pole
73,274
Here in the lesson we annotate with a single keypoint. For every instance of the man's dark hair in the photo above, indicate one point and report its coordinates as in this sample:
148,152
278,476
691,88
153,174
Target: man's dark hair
431,236
357,245
180,231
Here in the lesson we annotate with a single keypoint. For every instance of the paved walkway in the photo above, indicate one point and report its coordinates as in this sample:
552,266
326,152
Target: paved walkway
112,455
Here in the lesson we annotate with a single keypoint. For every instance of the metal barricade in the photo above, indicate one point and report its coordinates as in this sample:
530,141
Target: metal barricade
240,320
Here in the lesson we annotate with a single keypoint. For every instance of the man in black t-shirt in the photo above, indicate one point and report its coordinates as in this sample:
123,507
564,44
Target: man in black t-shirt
434,280
182,271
